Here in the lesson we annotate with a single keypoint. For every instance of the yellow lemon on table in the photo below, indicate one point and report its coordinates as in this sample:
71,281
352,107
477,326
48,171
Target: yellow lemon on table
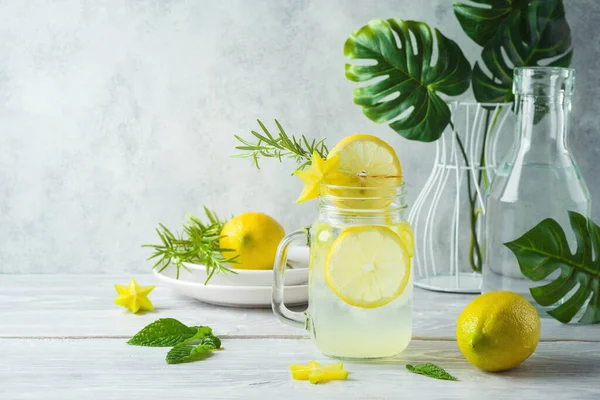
367,266
498,331
254,238
369,165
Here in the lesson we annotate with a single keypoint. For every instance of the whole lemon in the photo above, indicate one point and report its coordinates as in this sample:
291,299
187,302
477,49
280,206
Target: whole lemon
498,331
254,238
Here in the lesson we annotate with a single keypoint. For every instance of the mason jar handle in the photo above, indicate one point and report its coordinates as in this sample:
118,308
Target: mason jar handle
292,317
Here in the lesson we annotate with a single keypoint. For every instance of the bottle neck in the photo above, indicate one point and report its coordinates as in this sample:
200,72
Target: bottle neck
543,126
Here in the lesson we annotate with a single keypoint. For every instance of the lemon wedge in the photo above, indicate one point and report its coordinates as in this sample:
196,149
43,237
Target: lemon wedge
367,266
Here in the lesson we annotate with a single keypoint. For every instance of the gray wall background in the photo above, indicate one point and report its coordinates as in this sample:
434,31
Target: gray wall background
115,115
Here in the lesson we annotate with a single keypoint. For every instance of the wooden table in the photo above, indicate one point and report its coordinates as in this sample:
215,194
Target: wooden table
61,337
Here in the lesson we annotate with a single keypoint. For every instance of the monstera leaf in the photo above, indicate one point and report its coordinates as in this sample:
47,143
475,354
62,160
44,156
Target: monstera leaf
482,24
402,85
545,249
539,36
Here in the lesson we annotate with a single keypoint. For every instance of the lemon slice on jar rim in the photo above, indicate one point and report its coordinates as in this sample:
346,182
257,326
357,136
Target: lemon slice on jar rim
371,160
367,266
368,163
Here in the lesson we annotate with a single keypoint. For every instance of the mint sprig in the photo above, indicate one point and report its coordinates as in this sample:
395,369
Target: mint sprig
167,332
183,353
201,332
190,343
211,341
431,370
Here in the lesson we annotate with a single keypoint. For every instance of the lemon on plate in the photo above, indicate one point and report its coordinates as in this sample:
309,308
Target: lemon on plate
367,266
371,166
498,331
254,238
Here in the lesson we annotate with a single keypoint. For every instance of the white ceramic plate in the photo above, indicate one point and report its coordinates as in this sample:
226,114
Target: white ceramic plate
231,296
296,275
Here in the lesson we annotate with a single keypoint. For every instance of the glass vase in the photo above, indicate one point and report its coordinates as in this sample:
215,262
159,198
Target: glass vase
448,215
539,178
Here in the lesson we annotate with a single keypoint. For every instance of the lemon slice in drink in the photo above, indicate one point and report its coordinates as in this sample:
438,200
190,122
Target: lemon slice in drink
407,237
367,266
368,162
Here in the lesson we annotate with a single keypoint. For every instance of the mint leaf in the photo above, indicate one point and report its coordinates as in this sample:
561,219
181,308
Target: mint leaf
211,341
167,332
164,332
430,370
201,332
207,330
185,353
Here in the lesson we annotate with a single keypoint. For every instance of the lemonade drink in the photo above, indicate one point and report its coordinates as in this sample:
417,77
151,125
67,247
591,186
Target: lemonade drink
360,280
347,331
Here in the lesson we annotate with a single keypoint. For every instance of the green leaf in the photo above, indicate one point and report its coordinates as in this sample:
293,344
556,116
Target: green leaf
281,146
482,24
198,243
201,332
545,249
211,341
164,332
183,353
431,370
539,35
416,112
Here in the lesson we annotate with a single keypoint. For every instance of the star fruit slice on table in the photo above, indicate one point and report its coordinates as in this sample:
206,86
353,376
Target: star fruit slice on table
316,373
134,297
320,171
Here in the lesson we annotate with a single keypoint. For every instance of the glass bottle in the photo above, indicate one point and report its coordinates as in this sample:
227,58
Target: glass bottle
538,179
338,327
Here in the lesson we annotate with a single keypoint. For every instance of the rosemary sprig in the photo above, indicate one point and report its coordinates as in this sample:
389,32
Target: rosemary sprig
281,146
197,244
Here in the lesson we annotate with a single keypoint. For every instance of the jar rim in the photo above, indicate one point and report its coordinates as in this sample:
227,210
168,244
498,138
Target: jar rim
362,200
400,188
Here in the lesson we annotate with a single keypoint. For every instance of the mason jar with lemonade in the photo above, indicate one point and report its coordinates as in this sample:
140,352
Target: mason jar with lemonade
360,280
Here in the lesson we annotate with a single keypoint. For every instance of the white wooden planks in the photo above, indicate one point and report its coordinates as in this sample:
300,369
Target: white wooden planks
253,369
82,305
61,337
